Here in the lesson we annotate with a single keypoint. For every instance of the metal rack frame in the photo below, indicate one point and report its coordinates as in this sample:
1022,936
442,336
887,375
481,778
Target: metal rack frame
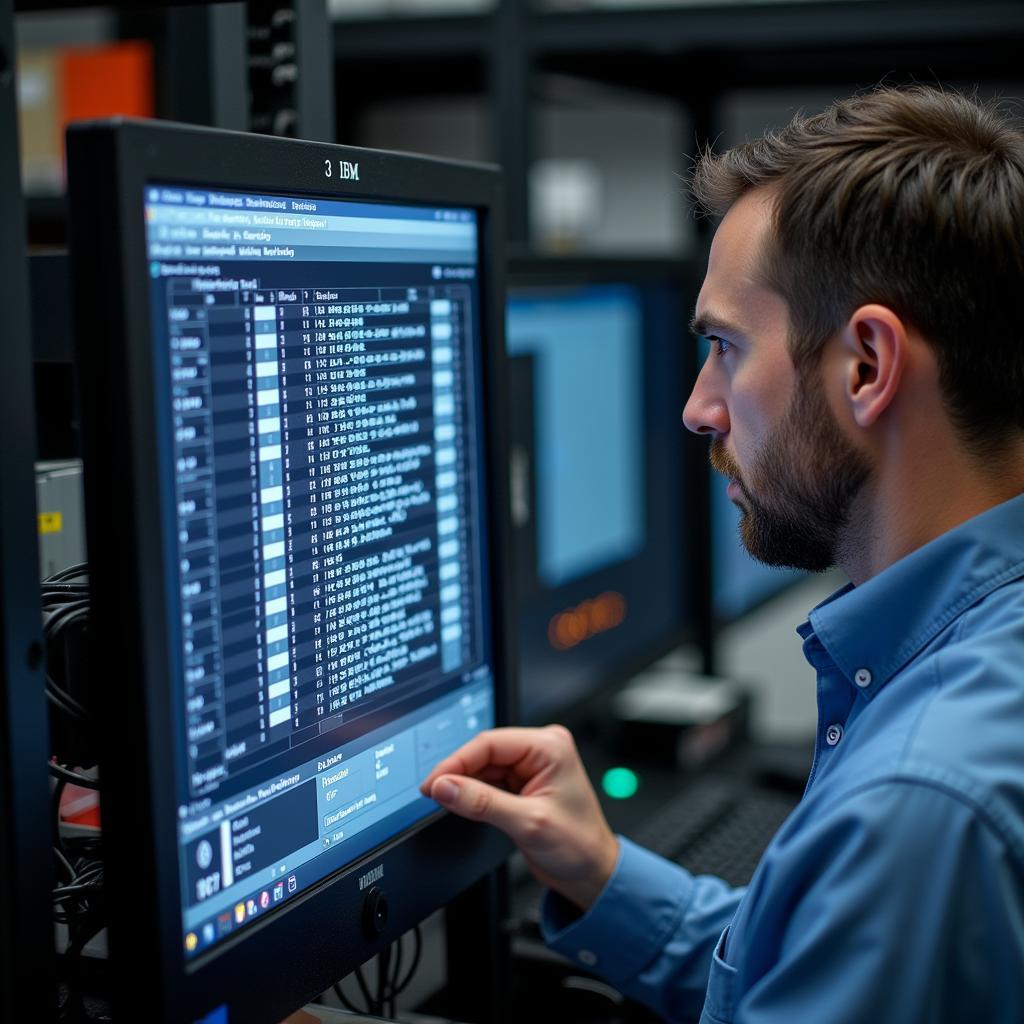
692,55
26,940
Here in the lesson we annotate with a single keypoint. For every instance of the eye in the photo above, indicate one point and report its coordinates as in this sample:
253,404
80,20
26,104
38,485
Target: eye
719,345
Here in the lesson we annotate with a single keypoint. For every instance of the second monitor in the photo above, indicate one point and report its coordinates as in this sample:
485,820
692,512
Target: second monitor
605,484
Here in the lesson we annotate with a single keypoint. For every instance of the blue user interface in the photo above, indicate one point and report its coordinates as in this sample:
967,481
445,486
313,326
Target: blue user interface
588,350
318,389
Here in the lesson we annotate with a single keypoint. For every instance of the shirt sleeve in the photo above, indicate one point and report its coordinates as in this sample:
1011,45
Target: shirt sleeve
650,933
906,905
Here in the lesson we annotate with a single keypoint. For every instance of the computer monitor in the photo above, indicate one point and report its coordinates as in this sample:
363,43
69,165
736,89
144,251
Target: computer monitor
291,356
606,496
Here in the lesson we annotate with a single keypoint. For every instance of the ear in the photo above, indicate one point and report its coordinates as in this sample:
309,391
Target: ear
875,343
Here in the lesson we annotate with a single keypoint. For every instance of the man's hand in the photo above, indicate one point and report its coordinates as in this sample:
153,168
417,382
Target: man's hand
531,784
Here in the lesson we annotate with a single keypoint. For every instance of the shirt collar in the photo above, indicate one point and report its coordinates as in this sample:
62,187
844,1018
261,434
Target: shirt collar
873,630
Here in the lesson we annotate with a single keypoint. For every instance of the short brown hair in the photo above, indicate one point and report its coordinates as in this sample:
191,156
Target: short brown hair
912,198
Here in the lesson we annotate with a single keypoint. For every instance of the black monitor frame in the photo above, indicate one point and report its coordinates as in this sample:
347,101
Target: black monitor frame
278,964
536,271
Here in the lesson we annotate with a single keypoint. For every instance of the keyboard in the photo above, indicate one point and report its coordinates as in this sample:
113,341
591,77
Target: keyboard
717,826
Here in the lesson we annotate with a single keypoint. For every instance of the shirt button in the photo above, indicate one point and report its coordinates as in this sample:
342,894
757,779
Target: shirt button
587,957
862,677
833,734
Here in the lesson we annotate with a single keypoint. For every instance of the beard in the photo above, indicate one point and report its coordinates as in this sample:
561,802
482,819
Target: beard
799,493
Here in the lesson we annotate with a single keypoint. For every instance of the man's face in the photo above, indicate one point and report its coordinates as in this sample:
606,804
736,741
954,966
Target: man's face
793,471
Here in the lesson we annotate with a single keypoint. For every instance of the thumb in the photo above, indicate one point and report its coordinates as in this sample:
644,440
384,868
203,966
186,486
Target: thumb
478,801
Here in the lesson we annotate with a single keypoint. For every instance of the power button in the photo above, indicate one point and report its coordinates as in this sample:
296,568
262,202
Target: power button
375,912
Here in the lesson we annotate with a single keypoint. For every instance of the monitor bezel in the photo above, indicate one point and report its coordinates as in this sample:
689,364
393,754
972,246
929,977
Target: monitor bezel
318,937
533,270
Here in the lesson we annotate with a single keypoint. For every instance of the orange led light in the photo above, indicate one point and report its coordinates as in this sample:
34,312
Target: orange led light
591,617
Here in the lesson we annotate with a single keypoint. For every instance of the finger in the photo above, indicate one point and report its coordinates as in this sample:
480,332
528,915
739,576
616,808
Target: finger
476,800
501,747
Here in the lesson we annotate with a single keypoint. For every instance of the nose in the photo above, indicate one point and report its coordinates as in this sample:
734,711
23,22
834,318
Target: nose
705,411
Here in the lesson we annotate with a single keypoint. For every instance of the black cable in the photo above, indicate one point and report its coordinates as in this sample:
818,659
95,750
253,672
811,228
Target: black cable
396,967
64,611
86,848
66,620
78,569
92,873
364,988
383,966
81,932
384,983
418,950
67,775
78,899
66,606
64,863
63,700
77,708
66,892
395,974
58,593
345,1001
72,572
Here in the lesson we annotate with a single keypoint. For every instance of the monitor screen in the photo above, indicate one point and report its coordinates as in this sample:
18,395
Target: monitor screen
587,345
598,473
318,404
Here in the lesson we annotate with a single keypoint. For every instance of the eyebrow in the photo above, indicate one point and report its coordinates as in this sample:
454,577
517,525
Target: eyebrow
711,324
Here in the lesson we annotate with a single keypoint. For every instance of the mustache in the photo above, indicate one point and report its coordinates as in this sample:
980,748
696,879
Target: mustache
722,462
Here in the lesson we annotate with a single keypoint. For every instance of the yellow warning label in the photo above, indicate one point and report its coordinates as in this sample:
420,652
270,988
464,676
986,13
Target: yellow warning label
51,522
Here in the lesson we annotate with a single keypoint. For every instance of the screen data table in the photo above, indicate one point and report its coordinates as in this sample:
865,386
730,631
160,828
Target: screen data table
335,472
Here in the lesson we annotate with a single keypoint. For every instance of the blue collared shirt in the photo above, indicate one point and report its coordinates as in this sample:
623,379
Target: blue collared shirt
895,889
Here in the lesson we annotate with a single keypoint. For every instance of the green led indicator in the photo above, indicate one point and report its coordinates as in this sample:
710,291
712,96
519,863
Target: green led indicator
620,783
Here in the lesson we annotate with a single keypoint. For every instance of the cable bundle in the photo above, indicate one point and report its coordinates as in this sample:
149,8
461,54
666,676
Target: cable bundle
78,901
390,983
65,601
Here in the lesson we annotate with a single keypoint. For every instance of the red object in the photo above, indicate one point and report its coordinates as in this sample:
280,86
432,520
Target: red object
106,80
80,806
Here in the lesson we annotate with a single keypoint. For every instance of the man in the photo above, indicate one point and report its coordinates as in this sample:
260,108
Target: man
864,392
